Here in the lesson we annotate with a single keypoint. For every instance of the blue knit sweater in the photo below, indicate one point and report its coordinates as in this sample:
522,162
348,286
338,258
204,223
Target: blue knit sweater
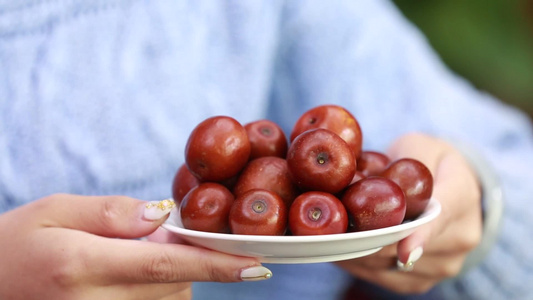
99,96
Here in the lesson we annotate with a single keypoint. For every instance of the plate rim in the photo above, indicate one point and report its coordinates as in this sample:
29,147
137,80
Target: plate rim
432,211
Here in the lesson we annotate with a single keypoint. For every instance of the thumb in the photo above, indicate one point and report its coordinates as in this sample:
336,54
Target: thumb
108,216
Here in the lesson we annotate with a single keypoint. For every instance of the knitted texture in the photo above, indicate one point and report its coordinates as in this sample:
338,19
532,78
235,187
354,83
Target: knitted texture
98,97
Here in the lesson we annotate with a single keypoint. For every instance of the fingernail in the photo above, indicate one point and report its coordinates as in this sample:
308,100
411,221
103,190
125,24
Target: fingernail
413,257
256,273
155,210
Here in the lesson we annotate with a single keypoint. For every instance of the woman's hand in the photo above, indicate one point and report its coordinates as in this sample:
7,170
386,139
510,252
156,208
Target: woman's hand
76,247
440,247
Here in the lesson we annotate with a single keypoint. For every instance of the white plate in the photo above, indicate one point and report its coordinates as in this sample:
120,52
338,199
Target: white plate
302,249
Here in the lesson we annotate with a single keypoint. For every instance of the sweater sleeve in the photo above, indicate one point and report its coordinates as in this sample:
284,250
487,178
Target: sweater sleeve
368,58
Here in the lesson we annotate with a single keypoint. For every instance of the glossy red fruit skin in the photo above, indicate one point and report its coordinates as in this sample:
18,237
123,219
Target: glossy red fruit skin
217,149
335,118
182,183
258,212
320,160
230,182
356,177
268,173
317,213
266,139
416,181
372,163
206,208
373,203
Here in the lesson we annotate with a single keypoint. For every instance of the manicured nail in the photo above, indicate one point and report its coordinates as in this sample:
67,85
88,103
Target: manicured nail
256,273
413,257
155,210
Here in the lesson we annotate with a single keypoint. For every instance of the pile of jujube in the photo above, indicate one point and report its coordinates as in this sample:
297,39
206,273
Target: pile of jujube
250,179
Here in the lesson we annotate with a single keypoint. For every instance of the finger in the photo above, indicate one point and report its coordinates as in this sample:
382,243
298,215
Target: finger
110,216
384,259
153,291
162,235
371,263
435,266
461,236
181,295
397,282
459,199
455,242
428,267
439,267
133,261
388,251
156,291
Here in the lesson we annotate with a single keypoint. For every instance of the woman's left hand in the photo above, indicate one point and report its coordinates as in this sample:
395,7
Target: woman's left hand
440,247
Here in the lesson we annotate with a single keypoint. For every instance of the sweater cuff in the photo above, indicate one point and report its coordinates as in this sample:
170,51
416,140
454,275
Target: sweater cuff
491,203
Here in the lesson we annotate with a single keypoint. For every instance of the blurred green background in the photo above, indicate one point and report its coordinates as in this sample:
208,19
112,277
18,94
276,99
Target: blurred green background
489,42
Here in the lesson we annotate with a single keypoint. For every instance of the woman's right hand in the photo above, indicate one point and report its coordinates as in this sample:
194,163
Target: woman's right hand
79,247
